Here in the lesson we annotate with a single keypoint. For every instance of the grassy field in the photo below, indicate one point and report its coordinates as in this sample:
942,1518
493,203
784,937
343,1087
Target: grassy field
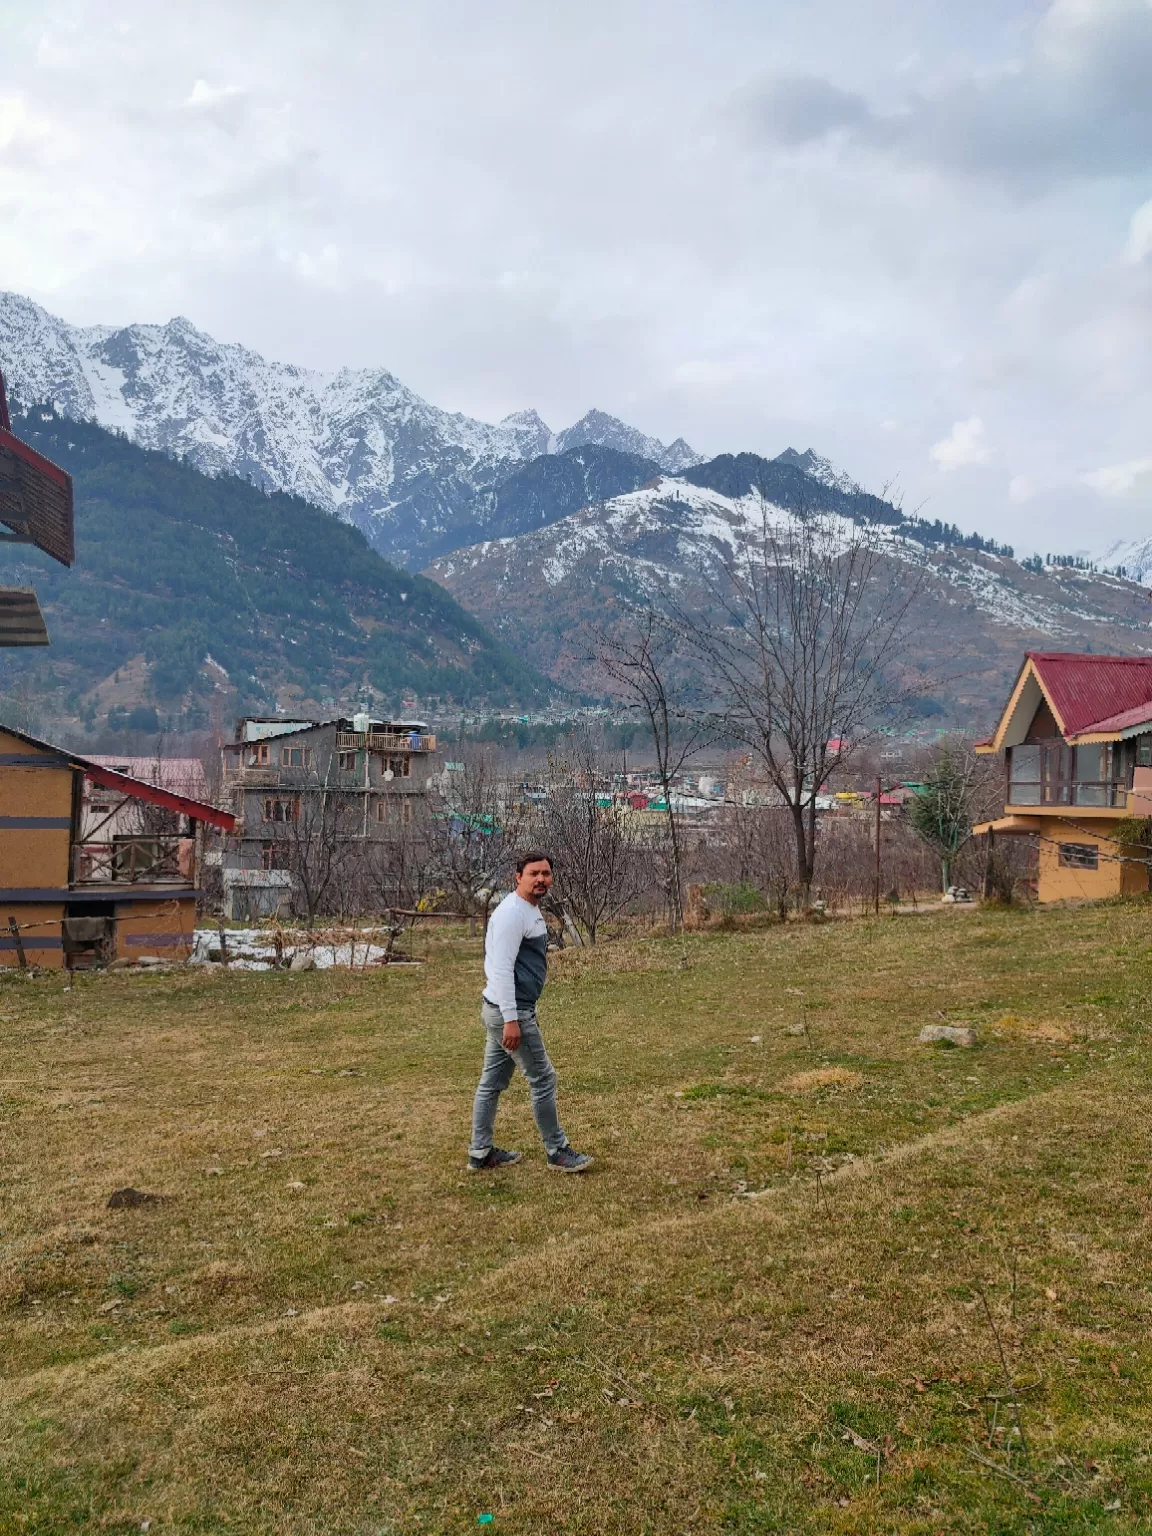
822,1278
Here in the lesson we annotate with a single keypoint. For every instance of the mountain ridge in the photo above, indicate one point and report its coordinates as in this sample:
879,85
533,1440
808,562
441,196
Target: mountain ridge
978,610
357,442
191,589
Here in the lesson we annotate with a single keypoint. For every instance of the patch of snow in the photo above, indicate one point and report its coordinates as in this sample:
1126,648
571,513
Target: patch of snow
253,949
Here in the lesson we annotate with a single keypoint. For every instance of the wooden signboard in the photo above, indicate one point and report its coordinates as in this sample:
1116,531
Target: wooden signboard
35,495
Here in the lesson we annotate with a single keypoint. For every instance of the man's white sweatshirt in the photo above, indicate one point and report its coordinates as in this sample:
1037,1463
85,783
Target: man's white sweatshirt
515,956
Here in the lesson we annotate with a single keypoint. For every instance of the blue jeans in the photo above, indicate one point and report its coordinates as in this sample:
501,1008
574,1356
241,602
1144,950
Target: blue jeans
498,1071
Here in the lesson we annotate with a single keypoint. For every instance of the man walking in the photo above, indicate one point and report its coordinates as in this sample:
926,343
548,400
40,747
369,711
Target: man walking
515,969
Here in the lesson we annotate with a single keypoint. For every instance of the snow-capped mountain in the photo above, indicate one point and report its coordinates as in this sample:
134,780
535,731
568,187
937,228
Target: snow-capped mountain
977,611
820,469
1132,556
606,432
358,443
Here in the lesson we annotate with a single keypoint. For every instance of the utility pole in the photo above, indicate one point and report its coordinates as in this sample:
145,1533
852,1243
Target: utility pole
876,892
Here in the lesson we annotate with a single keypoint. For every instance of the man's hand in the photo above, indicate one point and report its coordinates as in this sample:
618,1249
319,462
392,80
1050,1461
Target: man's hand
511,1040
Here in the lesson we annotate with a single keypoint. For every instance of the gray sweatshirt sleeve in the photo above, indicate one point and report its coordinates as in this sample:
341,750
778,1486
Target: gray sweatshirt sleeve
501,946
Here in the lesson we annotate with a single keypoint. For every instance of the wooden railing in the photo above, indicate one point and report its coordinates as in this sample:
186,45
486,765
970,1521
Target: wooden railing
385,741
152,859
1087,793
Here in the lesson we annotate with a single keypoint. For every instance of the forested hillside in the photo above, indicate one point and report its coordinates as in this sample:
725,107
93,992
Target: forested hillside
187,588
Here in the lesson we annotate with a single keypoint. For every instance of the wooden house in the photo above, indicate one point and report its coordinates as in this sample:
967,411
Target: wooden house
1076,739
73,894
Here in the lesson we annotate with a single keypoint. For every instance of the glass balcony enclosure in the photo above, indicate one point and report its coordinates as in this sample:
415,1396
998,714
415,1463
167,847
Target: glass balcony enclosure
1053,773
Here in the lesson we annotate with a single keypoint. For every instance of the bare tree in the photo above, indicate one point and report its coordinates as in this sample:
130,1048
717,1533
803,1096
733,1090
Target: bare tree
600,865
641,666
945,809
753,844
799,647
473,834
396,868
317,842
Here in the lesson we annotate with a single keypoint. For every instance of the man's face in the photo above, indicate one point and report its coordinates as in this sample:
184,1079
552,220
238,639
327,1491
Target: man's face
535,880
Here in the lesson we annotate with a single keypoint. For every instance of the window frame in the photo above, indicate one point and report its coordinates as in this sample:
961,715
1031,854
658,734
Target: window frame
291,804
1081,856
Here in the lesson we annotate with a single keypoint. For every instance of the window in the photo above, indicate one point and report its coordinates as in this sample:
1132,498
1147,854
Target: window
282,810
1052,773
1144,751
1096,775
1079,856
1024,776
295,757
273,856
400,767
394,810
260,756
348,762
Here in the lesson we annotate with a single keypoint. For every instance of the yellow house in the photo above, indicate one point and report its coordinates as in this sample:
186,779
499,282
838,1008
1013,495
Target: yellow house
1076,737
75,896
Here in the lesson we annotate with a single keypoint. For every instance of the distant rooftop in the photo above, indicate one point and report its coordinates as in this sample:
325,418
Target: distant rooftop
258,728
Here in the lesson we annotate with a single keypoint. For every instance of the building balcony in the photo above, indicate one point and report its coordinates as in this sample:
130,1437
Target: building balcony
1101,796
135,859
385,741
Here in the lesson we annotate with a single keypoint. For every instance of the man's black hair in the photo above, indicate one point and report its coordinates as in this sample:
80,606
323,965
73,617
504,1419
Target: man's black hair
533,856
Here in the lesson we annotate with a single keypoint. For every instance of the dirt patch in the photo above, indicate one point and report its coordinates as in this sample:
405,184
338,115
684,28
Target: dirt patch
1050,1031
222,1276
607,959
822,1077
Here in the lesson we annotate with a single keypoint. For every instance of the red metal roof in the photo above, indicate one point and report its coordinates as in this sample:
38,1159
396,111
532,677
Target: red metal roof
138,790
1141,715
1086,690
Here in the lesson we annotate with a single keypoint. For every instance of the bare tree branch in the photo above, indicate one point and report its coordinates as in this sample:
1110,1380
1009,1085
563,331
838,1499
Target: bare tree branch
640,665
807,619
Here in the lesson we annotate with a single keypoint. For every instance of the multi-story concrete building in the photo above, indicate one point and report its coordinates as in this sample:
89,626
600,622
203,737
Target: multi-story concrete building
299,788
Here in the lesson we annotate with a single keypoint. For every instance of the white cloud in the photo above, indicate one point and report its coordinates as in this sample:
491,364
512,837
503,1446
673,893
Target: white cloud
205,95
352,184
1021,488
1139,242
1118,479
964,445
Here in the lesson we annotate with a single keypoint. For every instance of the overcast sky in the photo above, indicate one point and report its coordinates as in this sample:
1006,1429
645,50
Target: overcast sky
913,234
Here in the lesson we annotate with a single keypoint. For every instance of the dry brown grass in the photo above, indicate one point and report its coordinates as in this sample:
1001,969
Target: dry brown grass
398,1347
822,1077
1046,1031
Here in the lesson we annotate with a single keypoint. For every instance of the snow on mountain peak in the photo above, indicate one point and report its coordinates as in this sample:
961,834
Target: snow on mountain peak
605,431
820,469
358,442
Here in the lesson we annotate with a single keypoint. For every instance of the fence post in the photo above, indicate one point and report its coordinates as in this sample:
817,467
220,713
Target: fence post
14,930
876,892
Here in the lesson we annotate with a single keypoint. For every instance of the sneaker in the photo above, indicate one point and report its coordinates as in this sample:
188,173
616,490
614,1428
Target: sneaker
495,1157
567,1161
